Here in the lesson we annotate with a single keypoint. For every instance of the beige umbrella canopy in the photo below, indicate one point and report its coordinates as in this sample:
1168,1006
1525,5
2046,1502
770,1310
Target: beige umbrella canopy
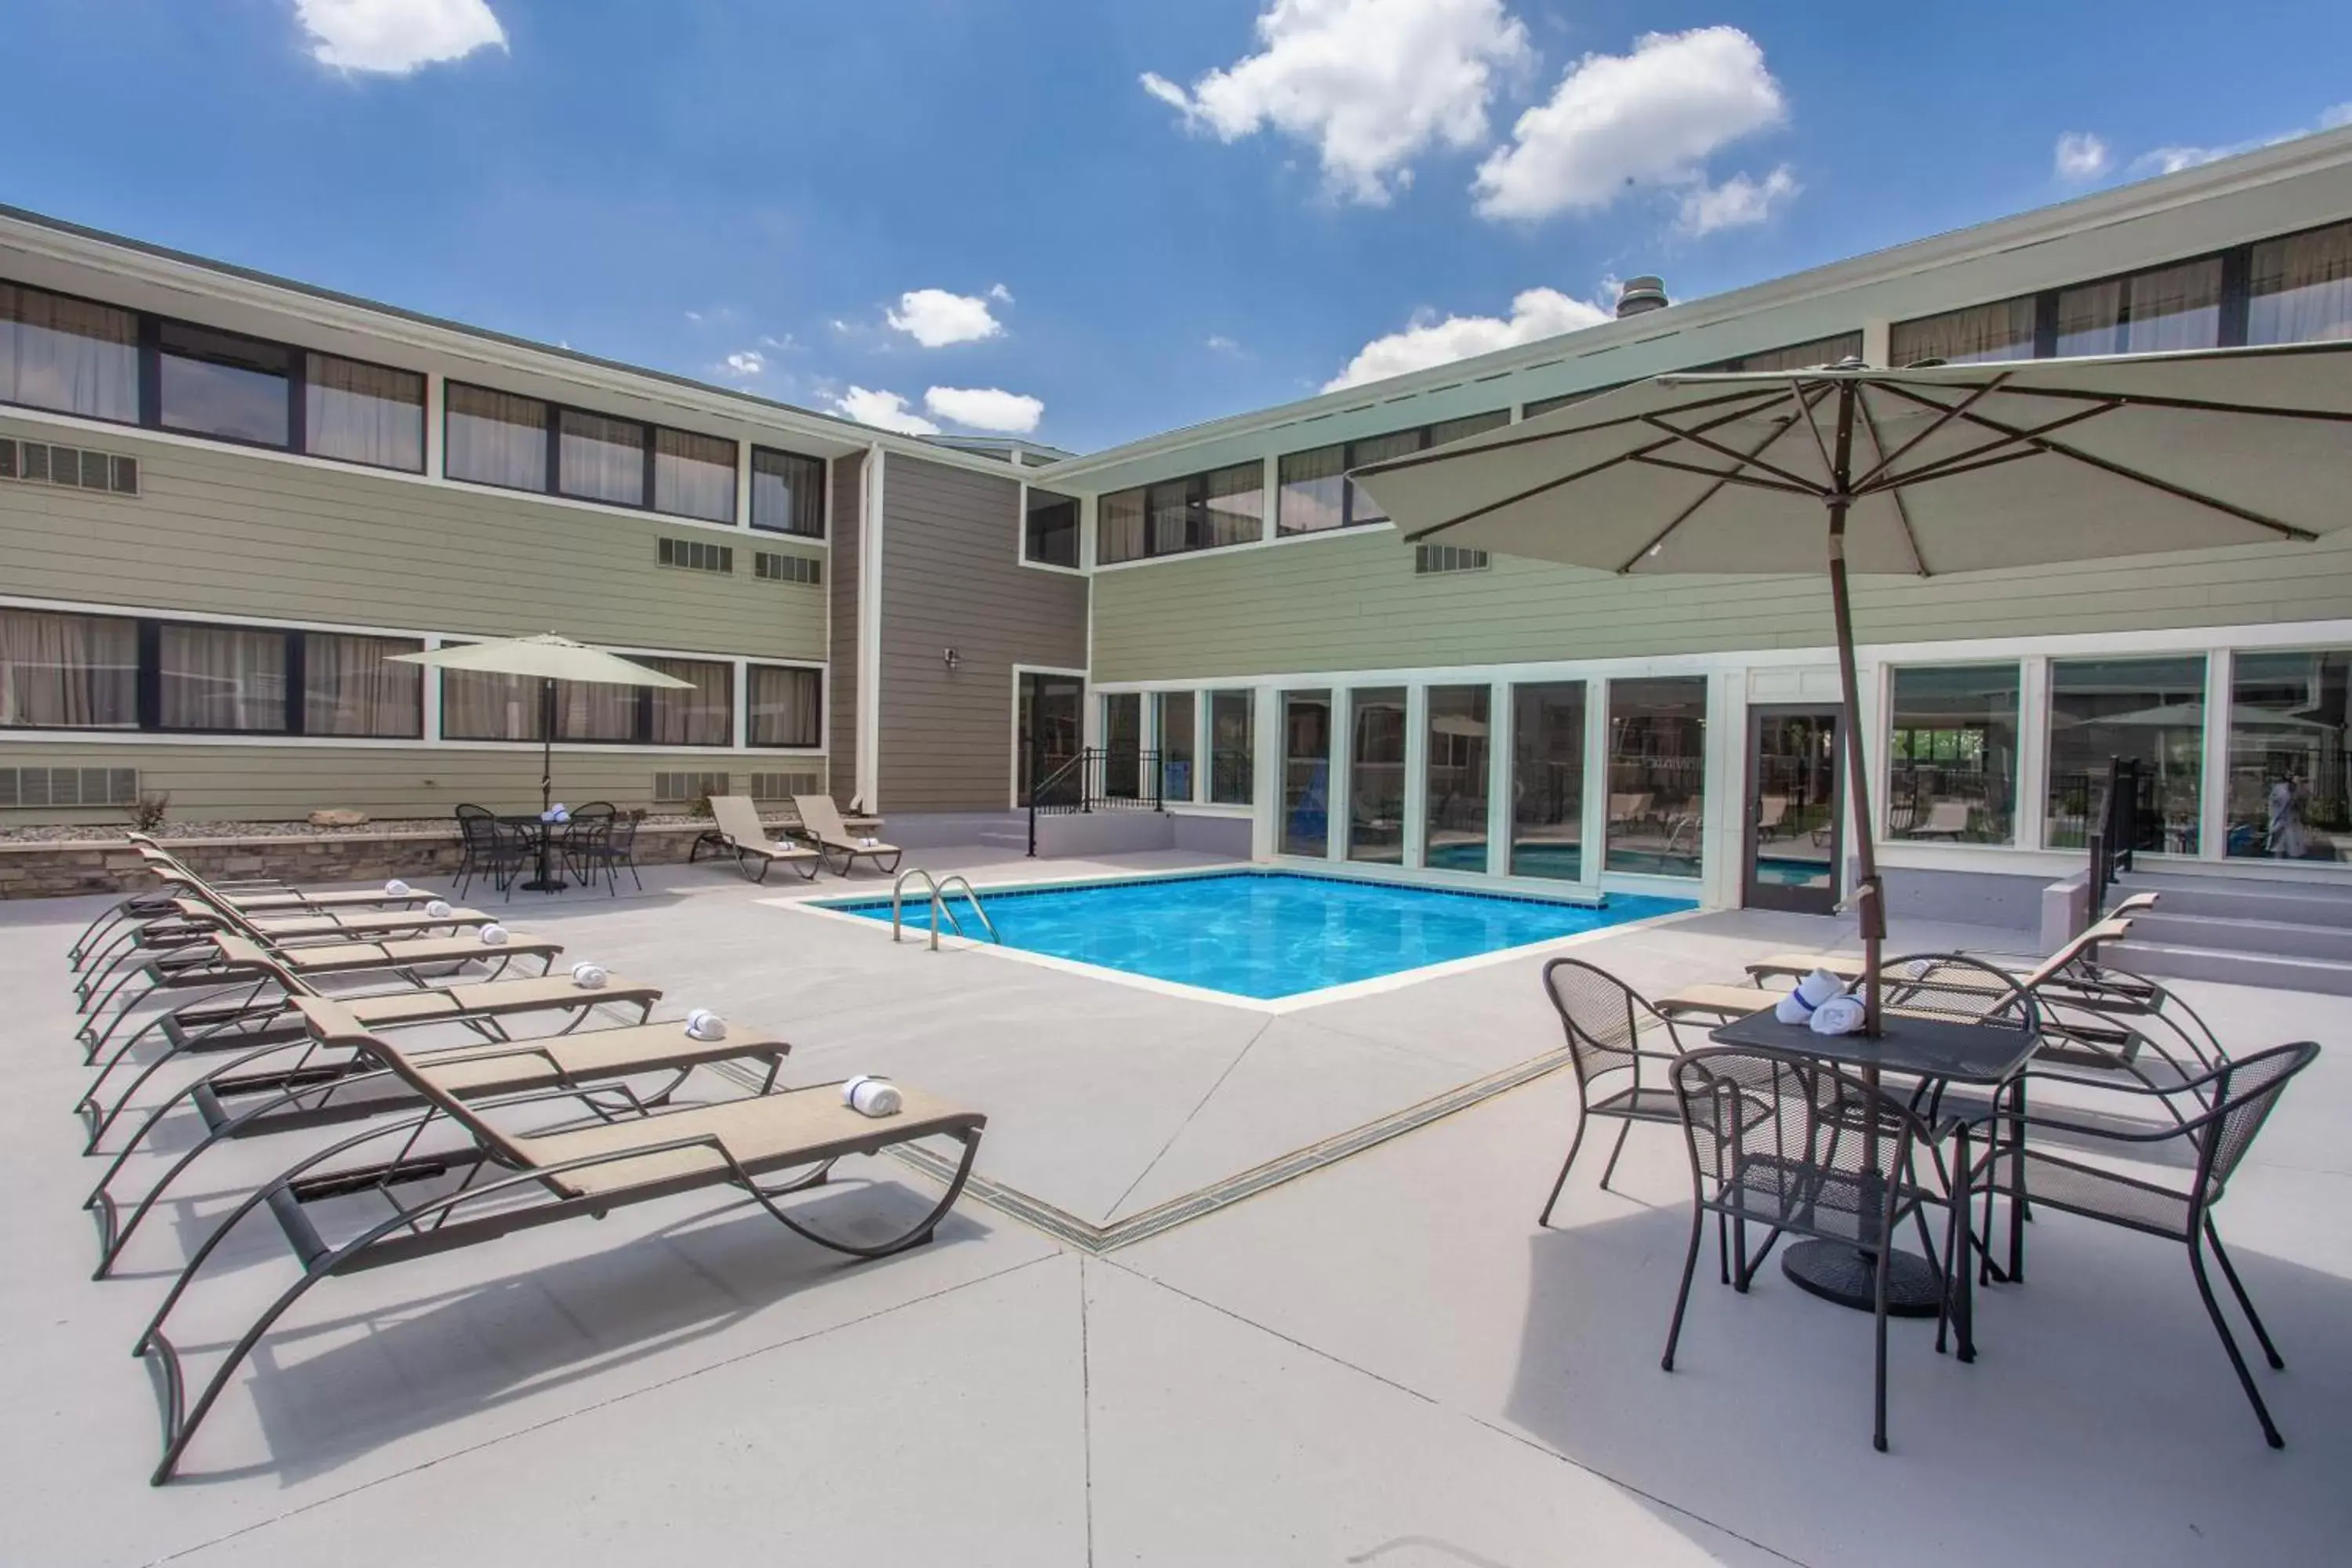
546,658
1915,472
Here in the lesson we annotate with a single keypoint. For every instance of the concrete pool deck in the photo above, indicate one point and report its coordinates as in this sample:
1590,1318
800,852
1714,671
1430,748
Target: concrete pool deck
1384,1361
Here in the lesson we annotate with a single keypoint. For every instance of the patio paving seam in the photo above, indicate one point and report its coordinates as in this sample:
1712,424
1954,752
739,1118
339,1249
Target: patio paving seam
1086,1407
1192,1115
536,1427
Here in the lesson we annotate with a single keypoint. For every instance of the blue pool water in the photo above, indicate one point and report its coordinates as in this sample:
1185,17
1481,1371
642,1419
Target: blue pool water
1269,933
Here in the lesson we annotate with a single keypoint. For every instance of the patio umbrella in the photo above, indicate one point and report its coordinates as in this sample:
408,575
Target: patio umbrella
547,659
1915,472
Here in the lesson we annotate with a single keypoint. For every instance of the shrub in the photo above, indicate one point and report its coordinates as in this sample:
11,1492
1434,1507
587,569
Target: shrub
147,815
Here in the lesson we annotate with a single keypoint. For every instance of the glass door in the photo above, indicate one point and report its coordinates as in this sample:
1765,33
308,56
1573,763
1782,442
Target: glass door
1052,721
1796,829
1123,745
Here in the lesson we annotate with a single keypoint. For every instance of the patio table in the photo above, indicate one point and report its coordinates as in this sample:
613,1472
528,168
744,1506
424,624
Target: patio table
1936,1051
536,823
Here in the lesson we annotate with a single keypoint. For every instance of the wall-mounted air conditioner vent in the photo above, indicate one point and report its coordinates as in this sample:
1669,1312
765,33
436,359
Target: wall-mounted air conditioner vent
670,788
783,786
1429,559
773,567
30,788
73,467
696,556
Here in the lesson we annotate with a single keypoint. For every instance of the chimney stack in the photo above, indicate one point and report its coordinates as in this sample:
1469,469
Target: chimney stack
1638,295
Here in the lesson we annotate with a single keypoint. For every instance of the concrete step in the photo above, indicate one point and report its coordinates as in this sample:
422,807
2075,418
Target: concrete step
2233,967
2284,939
2245,899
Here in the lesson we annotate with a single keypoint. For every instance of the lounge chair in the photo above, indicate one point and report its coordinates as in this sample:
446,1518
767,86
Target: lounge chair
2079,953
737,830
509,1178
1771,815
139,910
821,820
1945,819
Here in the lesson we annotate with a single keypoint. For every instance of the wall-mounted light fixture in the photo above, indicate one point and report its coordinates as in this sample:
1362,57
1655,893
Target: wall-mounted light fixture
952,658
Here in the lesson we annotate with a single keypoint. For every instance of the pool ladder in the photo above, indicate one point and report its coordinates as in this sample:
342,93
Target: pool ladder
939,891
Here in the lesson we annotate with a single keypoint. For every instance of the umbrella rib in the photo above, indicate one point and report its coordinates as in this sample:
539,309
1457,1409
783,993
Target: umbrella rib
1745,459
1690,511
1746,397
2191,405
2029,437
1902,513
1888,460
1728,476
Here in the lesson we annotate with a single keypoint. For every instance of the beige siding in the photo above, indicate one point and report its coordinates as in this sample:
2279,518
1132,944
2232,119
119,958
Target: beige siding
1355,602
221,532
951,578
846,498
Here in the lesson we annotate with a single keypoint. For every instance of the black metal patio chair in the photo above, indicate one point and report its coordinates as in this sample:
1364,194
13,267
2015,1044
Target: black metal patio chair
588,823
610,845
489,848
1604,1018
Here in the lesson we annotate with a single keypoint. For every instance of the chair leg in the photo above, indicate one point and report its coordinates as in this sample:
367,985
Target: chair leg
2246,1302
2229,1343
1723,1245
1682,1297
1609,1170
1573,1146
1885,1265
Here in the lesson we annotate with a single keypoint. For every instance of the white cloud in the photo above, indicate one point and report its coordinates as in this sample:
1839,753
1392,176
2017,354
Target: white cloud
884,410
986,408
1000,293
1371,83
2081,155
2172,160
745,361
1535,313
1218,343
1622,122
935,318
397,37
1736,202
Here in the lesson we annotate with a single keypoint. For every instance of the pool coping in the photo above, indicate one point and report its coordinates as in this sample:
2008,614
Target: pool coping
828,908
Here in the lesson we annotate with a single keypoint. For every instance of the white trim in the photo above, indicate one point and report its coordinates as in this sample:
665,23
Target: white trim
865,757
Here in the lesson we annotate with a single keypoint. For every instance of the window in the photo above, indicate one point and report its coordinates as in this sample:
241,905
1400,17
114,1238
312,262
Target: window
2148,312
222,678
1376,780
1050,536
217,384
1951,755
494,438
1998,331
68,356
2289,717
1800,356
1317,495
479,706
787,707
595,712
694,476
1456,811
1173,715
598,457
1307,773
1122,730
351,687
1201,511
702,714
787,493
67,672
2150,710
1657,774
1232,748
2301,287
360,413
1548,781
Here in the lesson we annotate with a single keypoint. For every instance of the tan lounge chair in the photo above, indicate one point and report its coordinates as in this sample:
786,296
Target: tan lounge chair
2083,948
510,1178
821,820
738,830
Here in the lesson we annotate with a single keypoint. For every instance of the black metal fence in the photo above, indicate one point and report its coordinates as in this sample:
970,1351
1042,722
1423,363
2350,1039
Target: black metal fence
1100,778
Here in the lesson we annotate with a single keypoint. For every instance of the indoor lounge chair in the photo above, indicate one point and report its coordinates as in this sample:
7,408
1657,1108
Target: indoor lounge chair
737,830
821,820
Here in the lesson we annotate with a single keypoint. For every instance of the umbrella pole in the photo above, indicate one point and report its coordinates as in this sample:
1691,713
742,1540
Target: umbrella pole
546,748
1870,905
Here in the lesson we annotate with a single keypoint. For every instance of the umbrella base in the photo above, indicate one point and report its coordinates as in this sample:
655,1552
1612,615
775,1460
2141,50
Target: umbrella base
1836,1271
543,884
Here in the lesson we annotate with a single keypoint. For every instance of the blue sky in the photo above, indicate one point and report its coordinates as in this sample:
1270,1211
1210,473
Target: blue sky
1136,213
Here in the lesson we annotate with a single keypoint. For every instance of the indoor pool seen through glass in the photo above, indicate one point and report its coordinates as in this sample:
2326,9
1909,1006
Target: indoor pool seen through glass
1271,935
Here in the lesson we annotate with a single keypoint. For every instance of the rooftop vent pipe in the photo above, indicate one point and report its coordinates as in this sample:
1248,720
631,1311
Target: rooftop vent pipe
1636,295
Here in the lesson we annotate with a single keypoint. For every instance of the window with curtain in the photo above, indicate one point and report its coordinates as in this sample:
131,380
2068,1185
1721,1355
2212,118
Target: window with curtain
1951,754
2151,710
1316,494
2300,287
1232,748
1119,527
694,476
1456,811
1361,508
221,677
1375,777
2148,312
595,711
702,715
2003,331
1548,780
787,493
68,356
67,672
221,385
1232,506
351,687
1200,511
600,458
1050,536
787,707
1800,356
494,438
2290,789
1657,774
362,413
477,706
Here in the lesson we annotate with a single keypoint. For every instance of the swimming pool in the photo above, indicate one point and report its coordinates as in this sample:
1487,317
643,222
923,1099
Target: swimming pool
1272,934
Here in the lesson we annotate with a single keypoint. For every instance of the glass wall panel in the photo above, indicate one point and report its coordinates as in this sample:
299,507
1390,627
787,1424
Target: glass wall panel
69,673
596,711
1119,527
1657,774
352,686
1122,723
1456,811
599,459
1306,773
1998,331
1232,506
1052,530
787,493
2147,709
2290,774
1361,508
1314,490
694,476
2148,312
701,715
787,707
1951,755
1233,747
1174,719
68,354
223,677
1050,721
1376,784
362,413
494,438
479,706
217,383
1548,780
2301,289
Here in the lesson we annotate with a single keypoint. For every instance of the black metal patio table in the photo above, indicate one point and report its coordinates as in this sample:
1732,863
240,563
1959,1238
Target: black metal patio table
1936,1051
546,881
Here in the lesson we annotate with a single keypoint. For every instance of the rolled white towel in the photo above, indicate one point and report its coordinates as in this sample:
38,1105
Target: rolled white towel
1796,1006
1839,1016
395,888
589,976
492,936
438,909
871,1096
867,842
702,1024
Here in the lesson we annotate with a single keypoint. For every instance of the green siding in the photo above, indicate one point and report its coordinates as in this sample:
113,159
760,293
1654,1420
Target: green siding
1355,604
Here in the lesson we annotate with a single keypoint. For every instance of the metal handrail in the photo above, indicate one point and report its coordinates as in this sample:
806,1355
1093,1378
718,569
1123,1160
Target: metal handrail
897,900
1092,765
938,901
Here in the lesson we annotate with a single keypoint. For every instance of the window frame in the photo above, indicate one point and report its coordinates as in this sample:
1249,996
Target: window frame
824,716
1195,513
553,486
1076,561
1347,464
821,508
